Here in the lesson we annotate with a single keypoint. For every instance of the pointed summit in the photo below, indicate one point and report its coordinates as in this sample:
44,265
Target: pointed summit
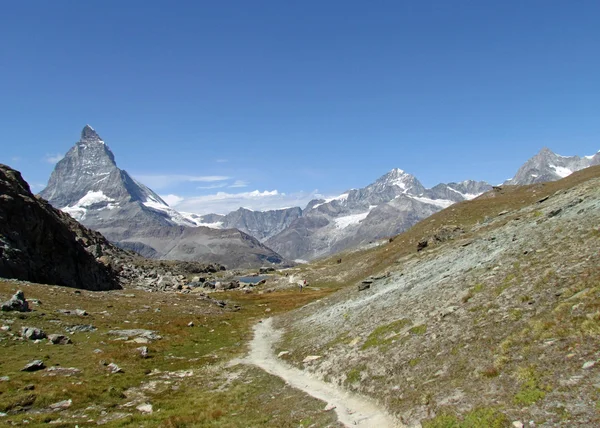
89,134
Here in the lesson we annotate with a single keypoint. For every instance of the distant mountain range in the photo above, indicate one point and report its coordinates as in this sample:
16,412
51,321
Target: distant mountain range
87,184
548,166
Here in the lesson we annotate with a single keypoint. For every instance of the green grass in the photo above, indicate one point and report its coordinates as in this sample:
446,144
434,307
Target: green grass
418,330
384,334
483,417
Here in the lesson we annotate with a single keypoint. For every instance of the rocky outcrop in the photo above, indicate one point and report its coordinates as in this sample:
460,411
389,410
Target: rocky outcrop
39,243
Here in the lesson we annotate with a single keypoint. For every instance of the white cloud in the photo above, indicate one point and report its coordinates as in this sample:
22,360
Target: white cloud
162,181
239,183
212,186
172,199
53,158
223,202
221,160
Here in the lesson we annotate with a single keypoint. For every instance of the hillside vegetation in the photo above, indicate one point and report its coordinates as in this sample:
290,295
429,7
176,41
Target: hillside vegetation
496,320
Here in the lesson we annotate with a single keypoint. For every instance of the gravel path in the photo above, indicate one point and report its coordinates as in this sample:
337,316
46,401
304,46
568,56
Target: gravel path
352,410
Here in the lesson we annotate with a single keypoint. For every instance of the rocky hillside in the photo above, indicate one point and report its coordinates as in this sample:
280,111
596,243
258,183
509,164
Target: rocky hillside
89,186
548,166
484,314
42,244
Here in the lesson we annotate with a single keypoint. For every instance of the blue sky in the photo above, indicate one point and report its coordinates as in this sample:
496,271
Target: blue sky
267,103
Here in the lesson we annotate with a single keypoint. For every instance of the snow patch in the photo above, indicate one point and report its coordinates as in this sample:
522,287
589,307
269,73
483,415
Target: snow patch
467,196
444,203
561,170
79,209
349,220
342,197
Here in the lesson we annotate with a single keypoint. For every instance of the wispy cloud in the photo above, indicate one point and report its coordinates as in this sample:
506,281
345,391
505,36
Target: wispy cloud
15,158
213,186
162,181
53,158
222,160
224,202
239,183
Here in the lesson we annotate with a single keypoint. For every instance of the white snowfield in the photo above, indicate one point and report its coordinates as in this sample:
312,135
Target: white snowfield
352,410
444,203
467,196
79,209
561,171
349,220
341,197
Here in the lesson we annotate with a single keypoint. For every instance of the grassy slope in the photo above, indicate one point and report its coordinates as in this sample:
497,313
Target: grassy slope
518,328
208,393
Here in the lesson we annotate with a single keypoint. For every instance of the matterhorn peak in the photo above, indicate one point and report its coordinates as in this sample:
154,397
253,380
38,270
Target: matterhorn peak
89,134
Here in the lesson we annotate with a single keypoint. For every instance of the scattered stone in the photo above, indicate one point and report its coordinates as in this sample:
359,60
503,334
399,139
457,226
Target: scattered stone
191,324
16,303
362,286
145,408
145,334
34,366
59,339
268,310
588,365
502,213
61,405
62,371
98,351
554,213
545,198
4,379
5,328
283,353
113,368
310,358
29,387
518,424
329,407
143,351
81,328
32,333
421,245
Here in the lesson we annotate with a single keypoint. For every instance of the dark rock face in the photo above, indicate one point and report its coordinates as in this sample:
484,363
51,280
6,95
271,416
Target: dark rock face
41,244
548,166
88,185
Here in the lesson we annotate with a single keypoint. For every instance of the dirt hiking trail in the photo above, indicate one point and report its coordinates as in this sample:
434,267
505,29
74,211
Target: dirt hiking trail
352,410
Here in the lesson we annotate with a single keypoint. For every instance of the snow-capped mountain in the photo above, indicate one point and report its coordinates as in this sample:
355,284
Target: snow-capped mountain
548,166
89,186
390,205
260,224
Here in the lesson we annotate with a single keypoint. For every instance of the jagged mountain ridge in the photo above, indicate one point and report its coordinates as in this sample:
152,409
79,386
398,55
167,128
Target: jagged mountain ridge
390,205
394,202
87,184
549,166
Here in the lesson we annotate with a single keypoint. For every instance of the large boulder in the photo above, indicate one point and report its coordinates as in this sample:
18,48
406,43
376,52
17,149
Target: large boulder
16,303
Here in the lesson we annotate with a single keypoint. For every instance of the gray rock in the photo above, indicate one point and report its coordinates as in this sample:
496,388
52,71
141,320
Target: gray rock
145,334
16,303
588,365
32,333
81,328
113,368
61,405
143,351
59,339
364,286
34,366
